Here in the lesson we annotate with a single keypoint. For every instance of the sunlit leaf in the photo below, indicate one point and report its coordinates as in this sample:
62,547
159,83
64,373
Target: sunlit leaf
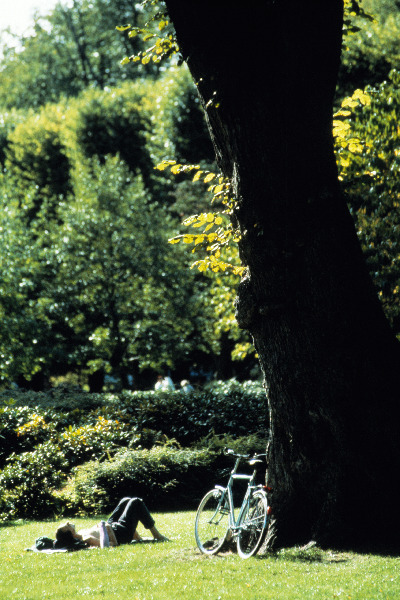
209,177
197,175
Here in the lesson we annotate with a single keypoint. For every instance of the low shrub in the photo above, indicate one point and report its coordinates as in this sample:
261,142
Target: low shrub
28,480
61,398
164,476
23,427
124,442
94,440
248,444
222,408
189,417
233,386
80,435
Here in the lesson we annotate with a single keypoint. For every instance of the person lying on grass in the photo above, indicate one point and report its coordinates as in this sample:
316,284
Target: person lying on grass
120,527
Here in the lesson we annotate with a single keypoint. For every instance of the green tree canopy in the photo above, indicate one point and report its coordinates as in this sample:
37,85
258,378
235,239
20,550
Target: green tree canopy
374,49
72,48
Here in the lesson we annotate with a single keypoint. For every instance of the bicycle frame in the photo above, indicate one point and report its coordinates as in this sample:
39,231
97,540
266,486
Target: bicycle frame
235,524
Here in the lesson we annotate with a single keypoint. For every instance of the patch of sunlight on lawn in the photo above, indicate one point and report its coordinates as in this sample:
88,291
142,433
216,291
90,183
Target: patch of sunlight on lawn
176,569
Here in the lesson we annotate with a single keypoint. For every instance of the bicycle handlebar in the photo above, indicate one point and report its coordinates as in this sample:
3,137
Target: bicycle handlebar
230,452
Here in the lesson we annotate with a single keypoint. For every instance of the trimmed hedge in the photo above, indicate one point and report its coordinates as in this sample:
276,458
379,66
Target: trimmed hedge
230,407
189,417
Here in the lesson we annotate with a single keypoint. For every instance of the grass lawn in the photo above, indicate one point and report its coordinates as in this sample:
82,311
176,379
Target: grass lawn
177,570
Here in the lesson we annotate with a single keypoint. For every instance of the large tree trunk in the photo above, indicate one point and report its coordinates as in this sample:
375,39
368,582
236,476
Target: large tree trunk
266,75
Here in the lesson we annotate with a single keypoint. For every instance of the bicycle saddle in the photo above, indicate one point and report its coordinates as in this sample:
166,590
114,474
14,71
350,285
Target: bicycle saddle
256,461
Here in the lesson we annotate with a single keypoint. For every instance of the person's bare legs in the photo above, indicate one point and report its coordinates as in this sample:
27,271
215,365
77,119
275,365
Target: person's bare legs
156,534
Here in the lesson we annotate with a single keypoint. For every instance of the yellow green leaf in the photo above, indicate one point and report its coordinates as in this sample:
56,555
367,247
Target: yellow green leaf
343,113
340,124
353,147
209,177
362,97
197,175
218,189
201,265
349,102
190,220
164,164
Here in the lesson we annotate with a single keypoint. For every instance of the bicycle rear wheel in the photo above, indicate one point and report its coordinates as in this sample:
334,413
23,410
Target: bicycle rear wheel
253,526
212,522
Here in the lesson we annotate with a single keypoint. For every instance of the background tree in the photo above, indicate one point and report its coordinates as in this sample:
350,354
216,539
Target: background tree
122,292
374,49
37,157
25,335
328,355
72,48
106,293
372,190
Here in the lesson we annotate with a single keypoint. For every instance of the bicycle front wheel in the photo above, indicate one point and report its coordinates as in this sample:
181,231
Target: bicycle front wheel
212,522
253,526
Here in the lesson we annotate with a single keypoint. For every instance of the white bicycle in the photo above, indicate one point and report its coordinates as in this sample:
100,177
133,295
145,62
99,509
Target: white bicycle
215,519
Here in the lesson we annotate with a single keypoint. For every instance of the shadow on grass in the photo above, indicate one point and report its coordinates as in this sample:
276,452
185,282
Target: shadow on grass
307,555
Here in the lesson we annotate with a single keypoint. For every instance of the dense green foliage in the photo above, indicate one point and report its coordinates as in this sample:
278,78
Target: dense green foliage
102,294
372,185
166,477
373,50
89,283
72,48
371,59
75,451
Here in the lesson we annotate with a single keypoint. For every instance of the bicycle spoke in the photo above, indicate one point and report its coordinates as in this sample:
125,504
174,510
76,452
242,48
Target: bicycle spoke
253,526
212,522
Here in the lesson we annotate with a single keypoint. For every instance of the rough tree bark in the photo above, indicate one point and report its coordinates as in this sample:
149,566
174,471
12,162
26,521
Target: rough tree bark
266,74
